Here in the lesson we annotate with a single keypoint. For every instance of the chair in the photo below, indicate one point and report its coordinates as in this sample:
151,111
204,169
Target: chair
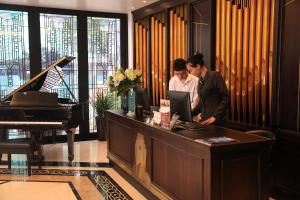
266,134
17,148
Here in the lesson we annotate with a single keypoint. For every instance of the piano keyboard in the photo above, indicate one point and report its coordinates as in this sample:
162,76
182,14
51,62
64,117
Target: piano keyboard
29,123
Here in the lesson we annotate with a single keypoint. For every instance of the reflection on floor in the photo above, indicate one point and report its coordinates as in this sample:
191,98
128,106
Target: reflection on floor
57,180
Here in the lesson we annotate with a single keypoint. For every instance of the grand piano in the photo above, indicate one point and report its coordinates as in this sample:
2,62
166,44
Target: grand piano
31,107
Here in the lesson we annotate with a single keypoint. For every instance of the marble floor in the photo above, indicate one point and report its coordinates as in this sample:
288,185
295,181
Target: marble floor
89,178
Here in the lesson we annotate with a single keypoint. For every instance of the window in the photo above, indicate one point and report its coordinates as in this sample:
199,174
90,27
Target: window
14,50
59,38
103,56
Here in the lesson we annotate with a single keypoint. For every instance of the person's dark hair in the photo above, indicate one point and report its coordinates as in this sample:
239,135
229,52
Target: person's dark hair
179,64
196,59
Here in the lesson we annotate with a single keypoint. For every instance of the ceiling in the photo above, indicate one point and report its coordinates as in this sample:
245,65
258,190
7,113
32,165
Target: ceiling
120,6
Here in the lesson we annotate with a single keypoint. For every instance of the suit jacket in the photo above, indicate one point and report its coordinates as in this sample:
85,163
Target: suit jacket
214,97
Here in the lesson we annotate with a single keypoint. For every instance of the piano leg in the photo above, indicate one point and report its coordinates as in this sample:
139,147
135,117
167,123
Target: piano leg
70,136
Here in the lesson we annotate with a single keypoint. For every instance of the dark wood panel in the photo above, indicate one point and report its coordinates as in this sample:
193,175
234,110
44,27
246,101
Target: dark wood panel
289,66
34,37
286,164
201,30
155,8
235,170
83,81
170,165
286,150
120,137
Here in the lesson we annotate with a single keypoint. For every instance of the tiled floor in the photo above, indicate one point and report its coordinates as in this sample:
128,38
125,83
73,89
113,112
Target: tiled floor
64,182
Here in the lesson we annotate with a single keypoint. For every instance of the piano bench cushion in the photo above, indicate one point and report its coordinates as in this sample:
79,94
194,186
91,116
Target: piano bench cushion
15,148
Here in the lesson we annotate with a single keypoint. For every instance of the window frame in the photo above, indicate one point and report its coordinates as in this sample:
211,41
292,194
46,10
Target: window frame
82,59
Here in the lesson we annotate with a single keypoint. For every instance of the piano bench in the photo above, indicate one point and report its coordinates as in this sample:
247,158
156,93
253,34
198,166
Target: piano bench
17,148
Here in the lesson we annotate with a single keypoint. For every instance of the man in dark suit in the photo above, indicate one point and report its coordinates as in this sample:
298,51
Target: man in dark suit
212,90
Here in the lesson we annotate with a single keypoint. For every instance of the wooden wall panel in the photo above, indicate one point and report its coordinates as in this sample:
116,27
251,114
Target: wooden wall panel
265,59
156,61
158,57
257,68
201,25
223,35
171,41
245,62
228,43
252,37
177,35
271,49
233,61
243,43
218,35
152,57
239,62
141,31
136,39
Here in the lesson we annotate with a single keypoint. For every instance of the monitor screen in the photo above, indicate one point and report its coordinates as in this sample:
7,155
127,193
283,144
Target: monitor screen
141,98
180,103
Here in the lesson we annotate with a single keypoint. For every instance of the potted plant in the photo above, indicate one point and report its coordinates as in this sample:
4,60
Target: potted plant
101,103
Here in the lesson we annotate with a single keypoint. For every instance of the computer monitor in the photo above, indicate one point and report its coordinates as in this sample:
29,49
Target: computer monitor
180,104
141,98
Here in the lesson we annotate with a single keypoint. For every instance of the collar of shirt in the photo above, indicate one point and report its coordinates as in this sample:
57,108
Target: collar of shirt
188,79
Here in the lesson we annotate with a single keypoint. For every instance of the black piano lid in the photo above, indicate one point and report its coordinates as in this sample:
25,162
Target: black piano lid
37,82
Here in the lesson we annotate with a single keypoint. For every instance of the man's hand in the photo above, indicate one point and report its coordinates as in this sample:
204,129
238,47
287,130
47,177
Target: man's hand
209,121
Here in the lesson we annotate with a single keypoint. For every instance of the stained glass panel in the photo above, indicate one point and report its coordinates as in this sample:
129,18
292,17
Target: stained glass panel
103,56
59,38
14,50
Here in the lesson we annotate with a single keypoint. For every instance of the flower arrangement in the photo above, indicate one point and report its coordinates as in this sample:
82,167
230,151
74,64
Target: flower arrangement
124,80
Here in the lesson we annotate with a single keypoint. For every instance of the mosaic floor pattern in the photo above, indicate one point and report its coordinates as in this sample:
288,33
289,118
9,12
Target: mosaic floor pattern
60,184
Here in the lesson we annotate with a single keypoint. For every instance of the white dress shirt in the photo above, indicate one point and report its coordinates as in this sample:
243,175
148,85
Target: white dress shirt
190,84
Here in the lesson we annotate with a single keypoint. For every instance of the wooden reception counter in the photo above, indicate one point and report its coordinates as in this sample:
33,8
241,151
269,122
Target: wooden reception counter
172,165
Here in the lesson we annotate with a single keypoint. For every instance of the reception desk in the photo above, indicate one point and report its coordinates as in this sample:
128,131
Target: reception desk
173,165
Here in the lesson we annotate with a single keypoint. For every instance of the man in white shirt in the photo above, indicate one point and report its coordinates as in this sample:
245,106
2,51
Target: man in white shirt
183,81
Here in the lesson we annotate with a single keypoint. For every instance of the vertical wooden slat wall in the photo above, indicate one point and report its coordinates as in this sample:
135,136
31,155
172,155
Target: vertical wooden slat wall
141,31
155,28
158,57
244,53
178,35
